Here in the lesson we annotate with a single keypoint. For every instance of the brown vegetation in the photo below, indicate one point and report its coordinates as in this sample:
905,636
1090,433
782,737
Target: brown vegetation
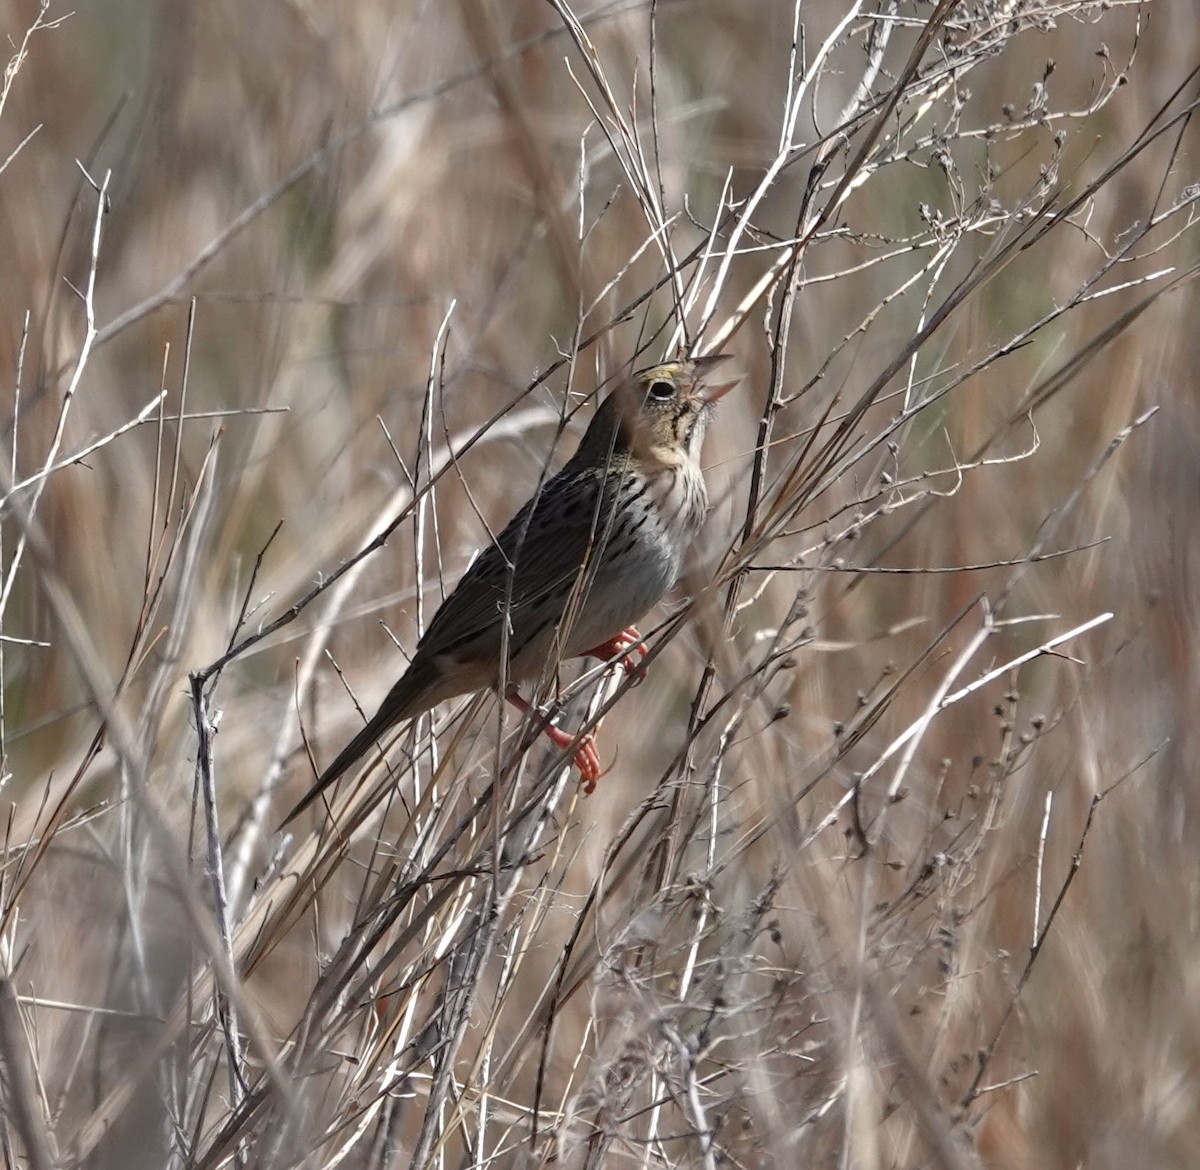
894,866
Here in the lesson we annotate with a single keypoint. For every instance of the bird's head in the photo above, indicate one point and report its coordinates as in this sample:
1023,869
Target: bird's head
659,414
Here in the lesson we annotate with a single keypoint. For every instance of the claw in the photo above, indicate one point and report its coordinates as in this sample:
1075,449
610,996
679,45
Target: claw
624,646
586,758
589,779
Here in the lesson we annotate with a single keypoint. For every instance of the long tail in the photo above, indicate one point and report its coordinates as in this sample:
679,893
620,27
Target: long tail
406,699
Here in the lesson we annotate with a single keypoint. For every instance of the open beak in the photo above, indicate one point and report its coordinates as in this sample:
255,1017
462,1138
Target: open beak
712,391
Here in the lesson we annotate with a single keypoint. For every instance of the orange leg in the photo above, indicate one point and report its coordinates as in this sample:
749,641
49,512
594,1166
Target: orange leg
587,758
618,646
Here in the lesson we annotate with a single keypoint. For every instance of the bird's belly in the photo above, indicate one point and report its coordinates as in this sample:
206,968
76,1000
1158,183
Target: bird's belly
631,577
627,585
646,535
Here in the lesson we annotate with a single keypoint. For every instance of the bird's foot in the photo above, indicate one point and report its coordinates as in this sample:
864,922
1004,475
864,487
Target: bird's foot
586,759
624,646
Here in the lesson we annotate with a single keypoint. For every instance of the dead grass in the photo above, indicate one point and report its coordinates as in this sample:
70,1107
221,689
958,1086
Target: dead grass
895,865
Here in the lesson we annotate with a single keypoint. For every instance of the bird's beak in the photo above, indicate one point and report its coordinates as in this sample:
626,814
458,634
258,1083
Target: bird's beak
711,392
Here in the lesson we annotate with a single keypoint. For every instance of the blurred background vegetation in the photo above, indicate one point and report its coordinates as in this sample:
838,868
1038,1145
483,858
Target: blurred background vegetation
831,906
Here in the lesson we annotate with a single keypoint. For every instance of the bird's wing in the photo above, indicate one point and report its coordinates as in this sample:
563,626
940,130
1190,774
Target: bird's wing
527,573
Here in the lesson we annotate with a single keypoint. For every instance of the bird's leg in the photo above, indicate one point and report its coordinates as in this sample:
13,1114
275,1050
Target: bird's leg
618,646
587,758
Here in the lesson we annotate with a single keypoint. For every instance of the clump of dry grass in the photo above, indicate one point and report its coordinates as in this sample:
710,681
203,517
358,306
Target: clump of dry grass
893,864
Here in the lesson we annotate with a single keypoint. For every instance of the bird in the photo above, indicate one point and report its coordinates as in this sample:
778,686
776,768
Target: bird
586,557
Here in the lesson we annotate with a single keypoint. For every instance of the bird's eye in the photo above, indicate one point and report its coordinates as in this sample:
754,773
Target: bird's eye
661,391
